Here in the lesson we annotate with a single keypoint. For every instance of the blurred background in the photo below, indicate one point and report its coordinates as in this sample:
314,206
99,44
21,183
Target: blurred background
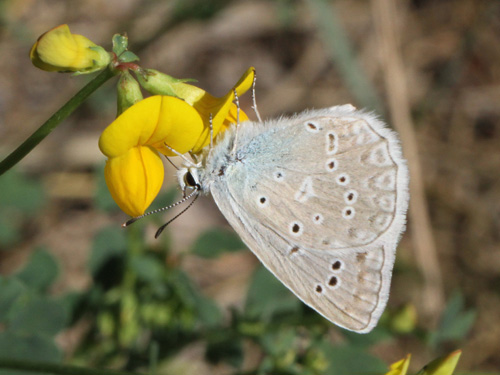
195,300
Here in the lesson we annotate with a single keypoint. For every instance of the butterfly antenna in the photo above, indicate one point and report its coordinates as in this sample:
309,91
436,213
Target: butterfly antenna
134,219
254,100
160,229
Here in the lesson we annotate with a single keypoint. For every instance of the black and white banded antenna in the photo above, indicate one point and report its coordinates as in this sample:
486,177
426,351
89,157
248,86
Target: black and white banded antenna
194,193
160,229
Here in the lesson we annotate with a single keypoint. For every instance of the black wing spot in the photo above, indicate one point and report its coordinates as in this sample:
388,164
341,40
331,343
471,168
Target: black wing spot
336,265
333,281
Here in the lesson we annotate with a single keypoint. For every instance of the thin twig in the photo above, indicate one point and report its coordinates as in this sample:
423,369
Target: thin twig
385,17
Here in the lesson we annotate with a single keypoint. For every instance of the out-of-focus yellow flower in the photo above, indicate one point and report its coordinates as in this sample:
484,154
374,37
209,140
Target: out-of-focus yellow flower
223,110
400,367
442,366
405,320
60,51
134,141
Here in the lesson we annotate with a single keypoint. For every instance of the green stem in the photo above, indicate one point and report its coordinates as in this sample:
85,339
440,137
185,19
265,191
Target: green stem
49,125
52,368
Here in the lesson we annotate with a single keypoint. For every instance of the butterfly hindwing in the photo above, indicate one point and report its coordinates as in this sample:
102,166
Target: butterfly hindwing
321,200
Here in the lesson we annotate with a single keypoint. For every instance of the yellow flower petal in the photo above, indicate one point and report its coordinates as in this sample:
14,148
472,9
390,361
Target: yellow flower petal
134,179
400,367
59,50
153,121
232,118
207,105
219,108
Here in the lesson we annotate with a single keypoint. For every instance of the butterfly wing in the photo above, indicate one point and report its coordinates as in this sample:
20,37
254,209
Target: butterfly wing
321,200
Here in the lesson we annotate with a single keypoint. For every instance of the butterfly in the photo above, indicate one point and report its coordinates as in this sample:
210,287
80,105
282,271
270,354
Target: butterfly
320,198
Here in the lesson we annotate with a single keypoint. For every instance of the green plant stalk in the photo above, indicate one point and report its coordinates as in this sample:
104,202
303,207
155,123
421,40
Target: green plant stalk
29,144
52,368
135,248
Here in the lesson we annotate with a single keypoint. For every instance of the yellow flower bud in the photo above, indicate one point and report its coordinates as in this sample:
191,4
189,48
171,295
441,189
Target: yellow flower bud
404,320
59,50
443,365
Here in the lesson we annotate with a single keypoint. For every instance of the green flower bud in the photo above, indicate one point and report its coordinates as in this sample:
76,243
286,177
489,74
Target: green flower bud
158,83
129,92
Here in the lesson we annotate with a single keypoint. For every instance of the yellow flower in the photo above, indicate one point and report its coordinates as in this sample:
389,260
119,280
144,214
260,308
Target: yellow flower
223,110
59,50
134,169
443,365
400,367
134,141
405,320
440,366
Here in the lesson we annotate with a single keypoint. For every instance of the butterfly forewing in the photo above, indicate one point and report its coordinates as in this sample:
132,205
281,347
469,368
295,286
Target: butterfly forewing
320,199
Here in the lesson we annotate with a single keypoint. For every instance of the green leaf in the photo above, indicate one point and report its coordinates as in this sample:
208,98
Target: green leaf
208,311
455,322
10,290
120,44
71,303
20,197
128,56
108,243
183,286
36,314
20,193
267,296
225,349
10,230
278,343
40,271
344,359
33,347
215,242
148,269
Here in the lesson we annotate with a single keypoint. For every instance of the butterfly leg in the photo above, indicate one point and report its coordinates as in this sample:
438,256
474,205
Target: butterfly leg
210,124
254,100
237,101
188,162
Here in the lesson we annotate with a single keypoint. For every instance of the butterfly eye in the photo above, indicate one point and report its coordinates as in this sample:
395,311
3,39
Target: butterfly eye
189,180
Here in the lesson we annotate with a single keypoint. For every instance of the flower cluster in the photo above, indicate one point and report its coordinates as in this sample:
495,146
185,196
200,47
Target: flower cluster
134,142
178,115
